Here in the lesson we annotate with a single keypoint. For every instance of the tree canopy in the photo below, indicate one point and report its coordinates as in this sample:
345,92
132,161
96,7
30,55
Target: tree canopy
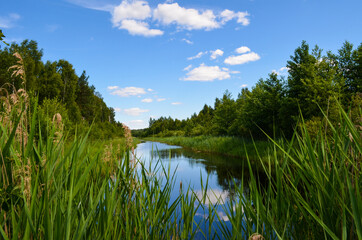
315,81
58,89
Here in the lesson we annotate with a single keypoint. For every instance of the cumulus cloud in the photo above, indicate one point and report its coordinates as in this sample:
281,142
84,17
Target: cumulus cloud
187,18
241,17
135,111
176,103
136,124
9,20
130,16
241,59
282,71
216,53
199,55
205,73
139,28
137,15
117,109
150,89
161,99
242,50
244,85
137,10
147,100
127,91
112,87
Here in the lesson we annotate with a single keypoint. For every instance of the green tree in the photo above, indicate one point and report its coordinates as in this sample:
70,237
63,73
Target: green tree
356,85
49,82
224,114
312,80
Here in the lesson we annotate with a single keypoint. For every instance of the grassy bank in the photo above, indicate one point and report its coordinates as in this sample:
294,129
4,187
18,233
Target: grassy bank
227,146
51,188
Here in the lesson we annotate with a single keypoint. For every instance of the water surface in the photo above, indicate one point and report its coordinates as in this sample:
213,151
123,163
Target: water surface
190,166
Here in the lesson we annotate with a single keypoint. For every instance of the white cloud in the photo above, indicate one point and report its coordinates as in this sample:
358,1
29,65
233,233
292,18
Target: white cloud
216,53
282,71
161,99
9,21
176,103
136,124
150,89
241,59
242,50
139,28
188,68
187,41
127,91
147,100
199,55
244,85
187,18
117,109
128,16
136,16
135,111
94,4
205,73
112,87
136,10
213,196
241,17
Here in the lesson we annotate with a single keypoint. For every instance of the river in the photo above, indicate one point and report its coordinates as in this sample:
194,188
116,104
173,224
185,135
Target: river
223,173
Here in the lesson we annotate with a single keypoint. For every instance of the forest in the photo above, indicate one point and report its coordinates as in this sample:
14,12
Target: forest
58,89
316,81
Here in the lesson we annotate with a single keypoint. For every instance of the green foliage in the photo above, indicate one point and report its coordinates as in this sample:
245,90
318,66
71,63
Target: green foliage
47,112
2,36
54,84
224,115
54,188
273,105
74,191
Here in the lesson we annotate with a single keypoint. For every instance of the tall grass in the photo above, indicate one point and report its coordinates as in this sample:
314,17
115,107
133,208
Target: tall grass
54,189
314,192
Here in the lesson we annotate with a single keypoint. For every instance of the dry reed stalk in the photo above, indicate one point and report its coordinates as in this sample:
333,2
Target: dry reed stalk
16,102
23,177
129,144
58,125
18,69
256,236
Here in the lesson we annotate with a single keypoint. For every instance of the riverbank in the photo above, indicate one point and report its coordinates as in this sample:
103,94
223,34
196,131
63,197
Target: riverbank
226,146
53,186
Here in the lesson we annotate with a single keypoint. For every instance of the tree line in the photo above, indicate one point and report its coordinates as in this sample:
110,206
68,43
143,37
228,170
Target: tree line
315,85
58,89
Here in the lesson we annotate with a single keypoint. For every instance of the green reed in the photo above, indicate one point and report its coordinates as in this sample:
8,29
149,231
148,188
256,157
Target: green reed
52,188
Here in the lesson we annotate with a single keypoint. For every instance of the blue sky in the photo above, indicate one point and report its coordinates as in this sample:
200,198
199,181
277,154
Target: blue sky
169,58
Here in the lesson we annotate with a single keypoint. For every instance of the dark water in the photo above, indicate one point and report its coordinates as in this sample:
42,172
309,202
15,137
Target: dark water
223,173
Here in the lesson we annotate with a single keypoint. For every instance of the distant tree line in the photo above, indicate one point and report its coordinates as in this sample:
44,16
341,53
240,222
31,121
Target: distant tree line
58,89
315,82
